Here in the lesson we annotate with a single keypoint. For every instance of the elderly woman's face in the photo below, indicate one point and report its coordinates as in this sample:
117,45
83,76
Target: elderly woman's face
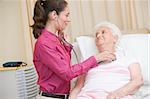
104,36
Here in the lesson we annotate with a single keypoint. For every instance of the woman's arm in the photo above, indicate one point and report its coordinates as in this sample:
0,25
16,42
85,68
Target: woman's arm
78,86
133,85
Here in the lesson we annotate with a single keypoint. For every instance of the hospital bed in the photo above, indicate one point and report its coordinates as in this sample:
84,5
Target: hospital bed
137,44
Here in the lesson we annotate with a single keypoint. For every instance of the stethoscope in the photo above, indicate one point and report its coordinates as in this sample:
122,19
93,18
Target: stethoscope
66,42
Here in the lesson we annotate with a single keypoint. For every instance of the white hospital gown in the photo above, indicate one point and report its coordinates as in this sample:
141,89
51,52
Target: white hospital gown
107,78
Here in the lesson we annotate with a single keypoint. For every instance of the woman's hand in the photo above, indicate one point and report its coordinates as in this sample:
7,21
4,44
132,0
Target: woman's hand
72,95
105,56
112,96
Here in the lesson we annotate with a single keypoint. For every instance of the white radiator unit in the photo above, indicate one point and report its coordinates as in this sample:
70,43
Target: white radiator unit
19,84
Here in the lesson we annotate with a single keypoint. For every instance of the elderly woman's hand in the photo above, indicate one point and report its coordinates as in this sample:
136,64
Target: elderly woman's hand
72,96
112,96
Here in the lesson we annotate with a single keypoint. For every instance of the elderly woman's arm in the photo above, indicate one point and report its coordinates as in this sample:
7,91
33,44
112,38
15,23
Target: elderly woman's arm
132,86
78,86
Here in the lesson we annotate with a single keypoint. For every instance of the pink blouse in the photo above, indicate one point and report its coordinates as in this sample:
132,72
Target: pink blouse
52,62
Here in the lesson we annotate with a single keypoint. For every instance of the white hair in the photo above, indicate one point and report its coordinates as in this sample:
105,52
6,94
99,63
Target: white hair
115,30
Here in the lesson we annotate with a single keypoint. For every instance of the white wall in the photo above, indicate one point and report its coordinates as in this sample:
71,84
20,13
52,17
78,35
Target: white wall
12,45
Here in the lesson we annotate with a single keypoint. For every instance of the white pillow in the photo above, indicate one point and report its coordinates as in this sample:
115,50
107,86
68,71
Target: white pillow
76,56
87,46
138,45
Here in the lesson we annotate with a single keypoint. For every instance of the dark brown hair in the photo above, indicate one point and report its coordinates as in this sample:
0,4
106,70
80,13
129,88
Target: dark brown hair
41,10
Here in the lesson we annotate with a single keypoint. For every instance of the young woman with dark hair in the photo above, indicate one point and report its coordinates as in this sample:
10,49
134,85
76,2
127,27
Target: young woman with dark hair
52,53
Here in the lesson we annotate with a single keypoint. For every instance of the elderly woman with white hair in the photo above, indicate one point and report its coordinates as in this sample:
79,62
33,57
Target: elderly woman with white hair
119,79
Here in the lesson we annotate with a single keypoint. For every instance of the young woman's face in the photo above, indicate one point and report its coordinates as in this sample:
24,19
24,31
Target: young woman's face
63,19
